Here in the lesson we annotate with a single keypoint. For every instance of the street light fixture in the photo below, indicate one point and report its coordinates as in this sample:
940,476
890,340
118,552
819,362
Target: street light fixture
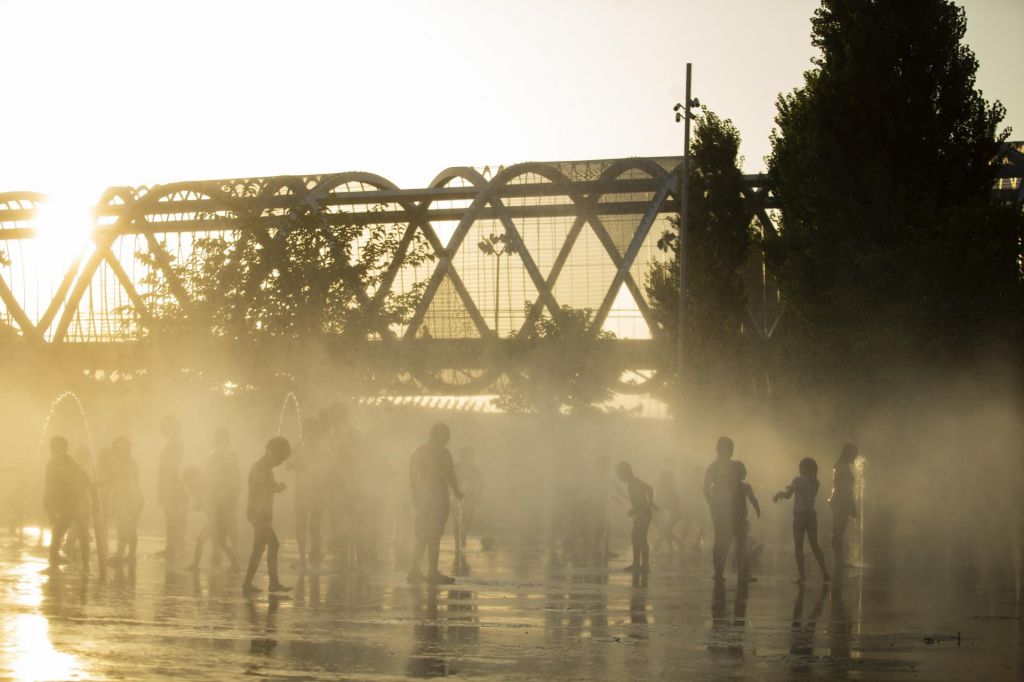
497,245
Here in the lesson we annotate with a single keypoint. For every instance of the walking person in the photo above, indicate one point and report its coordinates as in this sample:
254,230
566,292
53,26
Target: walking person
260,512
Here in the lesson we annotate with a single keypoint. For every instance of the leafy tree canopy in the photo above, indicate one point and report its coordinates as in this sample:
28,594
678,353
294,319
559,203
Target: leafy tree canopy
309,276
561,368
719,239
890,247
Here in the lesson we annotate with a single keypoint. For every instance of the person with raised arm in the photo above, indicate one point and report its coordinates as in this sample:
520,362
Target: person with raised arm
804,489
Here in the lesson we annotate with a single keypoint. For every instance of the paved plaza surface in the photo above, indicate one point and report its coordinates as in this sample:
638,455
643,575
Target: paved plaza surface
517,615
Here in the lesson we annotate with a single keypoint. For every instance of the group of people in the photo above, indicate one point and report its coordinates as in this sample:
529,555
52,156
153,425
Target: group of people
79,491
338,485
730,498
432,474
336,476
82,495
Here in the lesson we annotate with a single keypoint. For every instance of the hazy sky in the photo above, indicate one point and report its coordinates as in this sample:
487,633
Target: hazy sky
100,93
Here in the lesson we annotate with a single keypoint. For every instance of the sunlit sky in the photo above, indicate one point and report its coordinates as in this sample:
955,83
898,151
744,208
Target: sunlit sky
102,93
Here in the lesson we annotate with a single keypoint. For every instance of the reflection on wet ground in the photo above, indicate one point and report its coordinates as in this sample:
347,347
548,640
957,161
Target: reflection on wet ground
519,615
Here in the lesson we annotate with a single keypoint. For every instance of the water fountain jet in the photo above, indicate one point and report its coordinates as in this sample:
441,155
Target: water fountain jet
292,399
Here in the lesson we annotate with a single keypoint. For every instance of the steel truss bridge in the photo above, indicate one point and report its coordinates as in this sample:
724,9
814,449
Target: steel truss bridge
582,234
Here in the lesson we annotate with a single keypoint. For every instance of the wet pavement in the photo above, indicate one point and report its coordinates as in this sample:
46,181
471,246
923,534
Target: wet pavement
516,616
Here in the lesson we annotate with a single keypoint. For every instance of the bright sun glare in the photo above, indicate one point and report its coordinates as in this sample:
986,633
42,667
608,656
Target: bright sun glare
63,223
25,634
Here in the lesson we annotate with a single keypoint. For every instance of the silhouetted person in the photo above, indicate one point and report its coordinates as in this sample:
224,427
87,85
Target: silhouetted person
310,471
746,494
721,490
203,501
224,486
431,473
65,496
171,490
805,519
641,501
844,506
125,499
260,512
470,481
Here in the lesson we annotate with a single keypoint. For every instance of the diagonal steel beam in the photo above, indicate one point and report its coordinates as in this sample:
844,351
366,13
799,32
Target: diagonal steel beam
129,287
58,298
589,213
445,256
28,329
623,264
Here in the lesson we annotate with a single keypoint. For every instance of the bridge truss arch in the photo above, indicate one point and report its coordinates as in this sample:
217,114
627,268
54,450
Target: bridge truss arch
581,234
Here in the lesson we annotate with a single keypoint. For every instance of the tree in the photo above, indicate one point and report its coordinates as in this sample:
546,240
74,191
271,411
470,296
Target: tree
308,284
890,247
719,241
561,367
311,282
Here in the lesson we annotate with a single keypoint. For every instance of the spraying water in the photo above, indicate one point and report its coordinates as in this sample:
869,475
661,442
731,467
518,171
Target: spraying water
290,399
67,396
859,491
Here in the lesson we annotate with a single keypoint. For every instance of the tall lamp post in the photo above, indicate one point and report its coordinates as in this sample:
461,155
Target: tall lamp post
684,114
497,245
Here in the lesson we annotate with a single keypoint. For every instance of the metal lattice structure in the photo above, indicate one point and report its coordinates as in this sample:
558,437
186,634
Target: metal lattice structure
580,234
